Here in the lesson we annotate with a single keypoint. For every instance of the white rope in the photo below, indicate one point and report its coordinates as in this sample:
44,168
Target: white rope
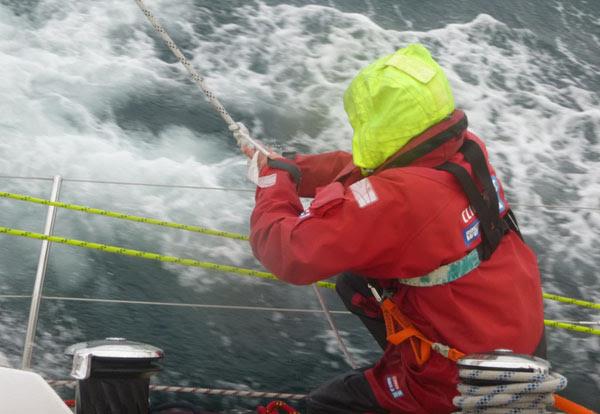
241,134
513,392
212,98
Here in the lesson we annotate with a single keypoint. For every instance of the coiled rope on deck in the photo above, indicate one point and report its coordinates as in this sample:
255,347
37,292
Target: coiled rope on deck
512,392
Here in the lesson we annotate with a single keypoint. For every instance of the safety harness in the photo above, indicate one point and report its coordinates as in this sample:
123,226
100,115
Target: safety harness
486,204
399,329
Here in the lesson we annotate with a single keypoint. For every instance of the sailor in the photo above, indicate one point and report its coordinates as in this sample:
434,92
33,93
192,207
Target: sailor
416,217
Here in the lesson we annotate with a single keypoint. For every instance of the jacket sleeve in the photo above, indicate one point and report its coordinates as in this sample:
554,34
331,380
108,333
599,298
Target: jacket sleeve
334,234
320,169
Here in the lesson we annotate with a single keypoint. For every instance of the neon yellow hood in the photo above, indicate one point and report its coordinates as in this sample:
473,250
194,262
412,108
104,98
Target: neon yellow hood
393,100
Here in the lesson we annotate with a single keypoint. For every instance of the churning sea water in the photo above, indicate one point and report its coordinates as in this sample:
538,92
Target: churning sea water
90,93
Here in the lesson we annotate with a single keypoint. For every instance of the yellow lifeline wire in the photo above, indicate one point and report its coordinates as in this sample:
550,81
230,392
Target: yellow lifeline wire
571,327
572,301
211,232
122,216
215,266
147,255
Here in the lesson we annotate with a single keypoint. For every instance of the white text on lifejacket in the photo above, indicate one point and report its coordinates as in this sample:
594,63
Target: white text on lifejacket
394,387
467,214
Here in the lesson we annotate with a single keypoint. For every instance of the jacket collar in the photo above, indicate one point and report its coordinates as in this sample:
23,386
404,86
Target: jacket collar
433,147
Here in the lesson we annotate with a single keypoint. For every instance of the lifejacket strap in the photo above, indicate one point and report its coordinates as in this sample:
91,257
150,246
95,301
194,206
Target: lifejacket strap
459,125
459,268
446,273
488,223
476,158
486,205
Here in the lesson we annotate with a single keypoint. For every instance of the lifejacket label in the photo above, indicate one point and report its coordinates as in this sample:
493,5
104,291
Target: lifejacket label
471,233
392,383
364,193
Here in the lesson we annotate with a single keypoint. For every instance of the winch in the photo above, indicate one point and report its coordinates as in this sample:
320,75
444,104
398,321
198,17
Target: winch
113,375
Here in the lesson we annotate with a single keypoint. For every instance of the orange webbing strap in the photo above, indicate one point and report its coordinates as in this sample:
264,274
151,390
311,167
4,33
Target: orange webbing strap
399,328
569,406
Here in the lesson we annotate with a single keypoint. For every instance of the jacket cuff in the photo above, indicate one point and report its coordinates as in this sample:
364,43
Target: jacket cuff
286,165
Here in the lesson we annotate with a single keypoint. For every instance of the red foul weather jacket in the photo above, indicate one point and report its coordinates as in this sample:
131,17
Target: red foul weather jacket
403,223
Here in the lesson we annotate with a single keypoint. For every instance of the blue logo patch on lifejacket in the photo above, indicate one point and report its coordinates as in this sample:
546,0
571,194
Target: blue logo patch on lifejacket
392,383
471,233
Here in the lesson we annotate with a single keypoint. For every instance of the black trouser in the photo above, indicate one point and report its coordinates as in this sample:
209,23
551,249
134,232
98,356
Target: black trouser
349,393
347,285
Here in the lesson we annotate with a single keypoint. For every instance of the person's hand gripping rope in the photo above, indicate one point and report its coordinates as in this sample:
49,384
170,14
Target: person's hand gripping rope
259,155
